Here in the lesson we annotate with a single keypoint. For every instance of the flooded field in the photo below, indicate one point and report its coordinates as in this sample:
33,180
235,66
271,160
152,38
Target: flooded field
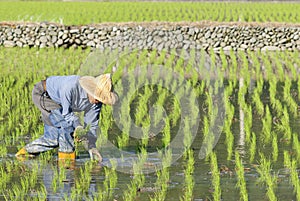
201,126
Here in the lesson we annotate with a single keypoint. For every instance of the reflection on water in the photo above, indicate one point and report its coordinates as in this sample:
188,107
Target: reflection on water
67,188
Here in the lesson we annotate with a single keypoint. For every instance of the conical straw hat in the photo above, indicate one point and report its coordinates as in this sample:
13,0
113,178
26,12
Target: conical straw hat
99,87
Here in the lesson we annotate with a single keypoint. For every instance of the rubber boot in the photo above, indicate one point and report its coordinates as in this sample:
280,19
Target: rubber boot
66,160
22,154
66,156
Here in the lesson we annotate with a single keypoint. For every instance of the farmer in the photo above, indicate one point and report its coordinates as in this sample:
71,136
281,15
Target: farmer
58,97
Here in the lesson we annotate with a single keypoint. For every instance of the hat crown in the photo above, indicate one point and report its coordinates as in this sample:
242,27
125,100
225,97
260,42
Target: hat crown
103,82
99,87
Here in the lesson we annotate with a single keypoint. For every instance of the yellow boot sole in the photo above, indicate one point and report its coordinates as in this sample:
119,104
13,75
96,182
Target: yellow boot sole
22,153
66,160
66,156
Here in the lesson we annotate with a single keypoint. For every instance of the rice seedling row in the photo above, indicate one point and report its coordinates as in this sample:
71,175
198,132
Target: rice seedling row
259,140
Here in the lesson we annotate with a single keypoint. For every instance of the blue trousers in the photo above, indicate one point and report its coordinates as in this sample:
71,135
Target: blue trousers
57,132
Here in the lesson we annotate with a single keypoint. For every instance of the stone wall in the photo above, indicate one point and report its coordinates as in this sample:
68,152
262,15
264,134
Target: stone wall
235,37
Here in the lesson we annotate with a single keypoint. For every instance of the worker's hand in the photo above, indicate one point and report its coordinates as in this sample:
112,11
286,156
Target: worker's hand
79,133
95,154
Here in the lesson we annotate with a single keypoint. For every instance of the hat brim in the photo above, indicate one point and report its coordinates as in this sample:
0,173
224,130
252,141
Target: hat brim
88,83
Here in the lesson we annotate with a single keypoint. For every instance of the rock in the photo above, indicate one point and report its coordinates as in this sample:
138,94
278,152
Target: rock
140,43
112,34
18,31
19,43
42,45
179,37
227,48
9,43
91,44
161,33
101,38
60,42
64,36
186,46
168,43
90,36
160,46
191,32
157,39
54,39
220,35
207,35
226,39
244,46
260,45
149,38
60,34
74,31
213,36
53,33
43,39
22,40
217,44
280,35
77,41
253,40
270,48
283,41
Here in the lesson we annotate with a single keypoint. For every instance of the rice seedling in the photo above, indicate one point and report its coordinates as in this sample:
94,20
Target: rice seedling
275,103
269,117
259,106
248,122
284,125
150,11
163,176
215,177
138,178
298,87
275,147
5,179
166,133
84,180
291,103
241,183
296,146
55,181
252,148
229,109
266,177
266,125
291,164
189,179
110,181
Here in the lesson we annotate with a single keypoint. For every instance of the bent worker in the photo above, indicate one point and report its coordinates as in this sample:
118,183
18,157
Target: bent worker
58,97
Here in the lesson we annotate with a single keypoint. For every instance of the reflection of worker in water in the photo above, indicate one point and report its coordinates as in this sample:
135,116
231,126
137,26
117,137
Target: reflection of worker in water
58,97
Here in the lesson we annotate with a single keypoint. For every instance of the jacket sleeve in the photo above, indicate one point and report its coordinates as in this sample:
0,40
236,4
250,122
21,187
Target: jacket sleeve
91,119
67,94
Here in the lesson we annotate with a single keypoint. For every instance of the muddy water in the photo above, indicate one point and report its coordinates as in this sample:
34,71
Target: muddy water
203,188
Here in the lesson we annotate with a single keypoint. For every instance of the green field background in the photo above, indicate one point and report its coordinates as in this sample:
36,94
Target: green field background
78,13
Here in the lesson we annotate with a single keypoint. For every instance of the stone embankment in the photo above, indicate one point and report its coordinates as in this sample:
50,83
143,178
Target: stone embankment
158,36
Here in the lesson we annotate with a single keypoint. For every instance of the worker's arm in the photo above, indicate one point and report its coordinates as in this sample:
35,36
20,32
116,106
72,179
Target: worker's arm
67,94
91,119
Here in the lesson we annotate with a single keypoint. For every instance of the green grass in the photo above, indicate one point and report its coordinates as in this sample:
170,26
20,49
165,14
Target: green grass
71,13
